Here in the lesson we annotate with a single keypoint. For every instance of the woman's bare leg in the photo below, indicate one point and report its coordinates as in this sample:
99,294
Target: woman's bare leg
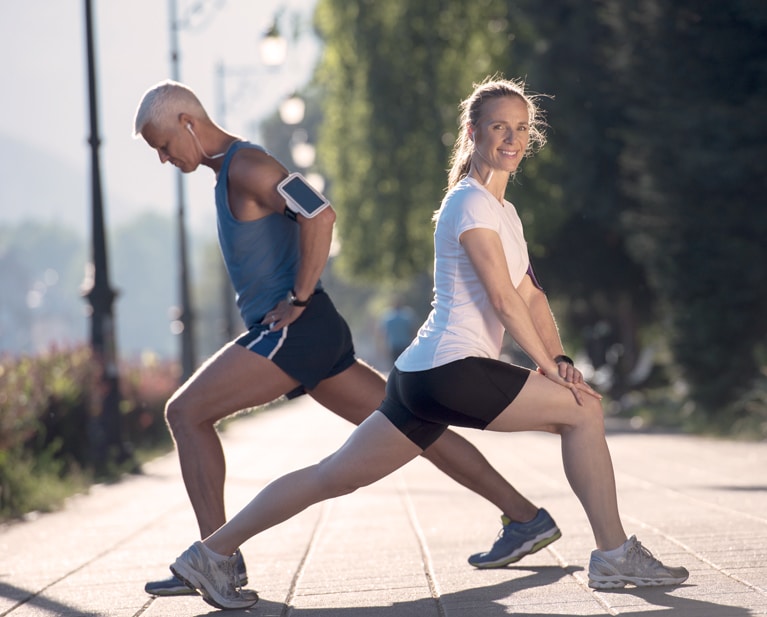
358,390
374,450
544,405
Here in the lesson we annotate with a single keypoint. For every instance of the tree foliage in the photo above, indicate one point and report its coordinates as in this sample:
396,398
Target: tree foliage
694,79
393,74
645,211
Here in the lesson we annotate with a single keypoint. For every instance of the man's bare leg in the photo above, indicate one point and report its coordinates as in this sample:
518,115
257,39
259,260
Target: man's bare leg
234,379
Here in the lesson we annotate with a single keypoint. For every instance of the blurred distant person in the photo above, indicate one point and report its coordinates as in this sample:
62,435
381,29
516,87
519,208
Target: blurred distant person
296,342
397,326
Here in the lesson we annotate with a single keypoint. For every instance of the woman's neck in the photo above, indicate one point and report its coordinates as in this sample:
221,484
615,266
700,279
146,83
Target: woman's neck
494,180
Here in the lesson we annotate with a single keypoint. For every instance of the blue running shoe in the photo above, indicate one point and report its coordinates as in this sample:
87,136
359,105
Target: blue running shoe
517,540
173,586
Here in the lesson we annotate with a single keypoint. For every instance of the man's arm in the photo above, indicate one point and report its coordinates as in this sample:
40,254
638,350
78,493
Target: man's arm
257,176
316,235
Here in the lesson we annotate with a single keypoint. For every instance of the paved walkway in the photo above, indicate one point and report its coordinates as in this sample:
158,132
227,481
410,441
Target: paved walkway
399,547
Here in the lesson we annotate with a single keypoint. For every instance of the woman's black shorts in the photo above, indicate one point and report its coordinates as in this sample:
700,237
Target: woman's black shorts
471,392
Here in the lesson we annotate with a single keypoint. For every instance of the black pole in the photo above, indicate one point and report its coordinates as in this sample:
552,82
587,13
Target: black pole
105,431
228,307
186,314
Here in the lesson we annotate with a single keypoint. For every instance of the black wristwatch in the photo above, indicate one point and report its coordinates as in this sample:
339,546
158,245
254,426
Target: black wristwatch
564,358
294,301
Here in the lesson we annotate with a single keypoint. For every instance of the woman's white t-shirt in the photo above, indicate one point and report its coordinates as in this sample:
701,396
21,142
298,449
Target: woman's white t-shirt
462,322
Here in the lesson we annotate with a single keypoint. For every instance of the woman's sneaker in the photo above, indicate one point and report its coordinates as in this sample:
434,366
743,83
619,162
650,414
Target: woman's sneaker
517,540
173,586
635,566
215,579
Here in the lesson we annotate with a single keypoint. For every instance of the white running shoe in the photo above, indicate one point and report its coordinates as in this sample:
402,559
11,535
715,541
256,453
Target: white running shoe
217,581
635,566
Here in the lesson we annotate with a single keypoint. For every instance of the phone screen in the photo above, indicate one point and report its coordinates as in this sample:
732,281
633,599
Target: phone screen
303,194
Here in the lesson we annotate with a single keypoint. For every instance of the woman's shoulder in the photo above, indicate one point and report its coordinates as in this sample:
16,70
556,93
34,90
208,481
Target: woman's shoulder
467,195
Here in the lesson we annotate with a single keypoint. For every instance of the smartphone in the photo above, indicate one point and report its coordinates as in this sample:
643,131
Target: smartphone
301,196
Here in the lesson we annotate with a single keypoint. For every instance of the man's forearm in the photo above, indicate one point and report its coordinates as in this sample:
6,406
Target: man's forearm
315,240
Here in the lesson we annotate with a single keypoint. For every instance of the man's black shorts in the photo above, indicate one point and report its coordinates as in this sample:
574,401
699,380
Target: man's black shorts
316,346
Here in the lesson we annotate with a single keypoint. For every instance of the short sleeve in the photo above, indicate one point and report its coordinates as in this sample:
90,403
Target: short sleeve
469,208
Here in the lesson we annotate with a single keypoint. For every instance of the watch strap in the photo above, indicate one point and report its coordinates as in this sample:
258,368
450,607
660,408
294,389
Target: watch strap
294,301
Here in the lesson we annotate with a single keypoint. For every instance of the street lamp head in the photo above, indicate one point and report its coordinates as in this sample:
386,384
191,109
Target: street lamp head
303,154
273,47
292,110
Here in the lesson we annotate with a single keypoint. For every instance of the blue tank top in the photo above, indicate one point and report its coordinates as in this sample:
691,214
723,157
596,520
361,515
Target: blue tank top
261,256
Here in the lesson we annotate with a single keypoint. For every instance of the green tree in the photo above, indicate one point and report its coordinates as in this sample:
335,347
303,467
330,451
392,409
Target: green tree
41,271
695,74
572,193
392,75
144,270
643,210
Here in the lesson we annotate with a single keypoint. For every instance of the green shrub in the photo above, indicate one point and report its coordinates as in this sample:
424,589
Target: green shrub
47,406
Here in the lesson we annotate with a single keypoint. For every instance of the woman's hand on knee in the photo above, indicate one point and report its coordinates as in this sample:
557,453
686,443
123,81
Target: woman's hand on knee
578,388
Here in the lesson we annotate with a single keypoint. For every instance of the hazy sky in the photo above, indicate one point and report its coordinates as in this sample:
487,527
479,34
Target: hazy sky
44,90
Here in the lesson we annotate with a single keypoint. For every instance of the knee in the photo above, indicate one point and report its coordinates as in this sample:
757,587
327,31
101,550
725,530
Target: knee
588,416
173,414
591,415
179,415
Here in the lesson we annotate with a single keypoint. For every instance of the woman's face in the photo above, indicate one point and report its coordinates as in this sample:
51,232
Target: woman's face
502,132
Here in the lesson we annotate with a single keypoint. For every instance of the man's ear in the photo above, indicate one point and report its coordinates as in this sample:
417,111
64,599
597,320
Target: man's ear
185,119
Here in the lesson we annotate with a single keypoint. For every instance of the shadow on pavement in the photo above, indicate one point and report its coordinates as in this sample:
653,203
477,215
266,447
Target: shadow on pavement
756,488
498,601
680,606
39,601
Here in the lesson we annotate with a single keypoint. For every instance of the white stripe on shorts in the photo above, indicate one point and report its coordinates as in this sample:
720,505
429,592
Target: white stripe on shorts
277,347
279,344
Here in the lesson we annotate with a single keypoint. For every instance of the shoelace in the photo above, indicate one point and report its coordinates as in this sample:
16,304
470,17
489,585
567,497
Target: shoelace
229,569
234,575
637,552
508,530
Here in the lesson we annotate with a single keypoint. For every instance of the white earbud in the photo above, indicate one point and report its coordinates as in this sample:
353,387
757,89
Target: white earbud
199,145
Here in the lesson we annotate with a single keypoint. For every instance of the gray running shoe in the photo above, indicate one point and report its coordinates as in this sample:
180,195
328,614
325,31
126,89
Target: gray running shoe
173,586
170,586
517,540
216,581
636,566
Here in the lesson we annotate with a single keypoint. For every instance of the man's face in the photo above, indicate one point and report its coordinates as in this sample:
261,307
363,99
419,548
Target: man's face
173,144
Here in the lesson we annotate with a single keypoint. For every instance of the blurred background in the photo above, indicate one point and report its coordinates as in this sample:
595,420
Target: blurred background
645,213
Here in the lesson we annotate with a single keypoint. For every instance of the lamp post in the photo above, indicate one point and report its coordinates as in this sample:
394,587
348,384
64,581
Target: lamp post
226,284
104,428
185,312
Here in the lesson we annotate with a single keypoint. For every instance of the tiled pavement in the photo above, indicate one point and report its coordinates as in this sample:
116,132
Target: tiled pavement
398,548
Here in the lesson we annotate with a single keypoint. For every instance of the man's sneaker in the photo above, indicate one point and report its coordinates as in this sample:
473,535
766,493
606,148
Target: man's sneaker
216,580
635,566
170,586
517,540
173,586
